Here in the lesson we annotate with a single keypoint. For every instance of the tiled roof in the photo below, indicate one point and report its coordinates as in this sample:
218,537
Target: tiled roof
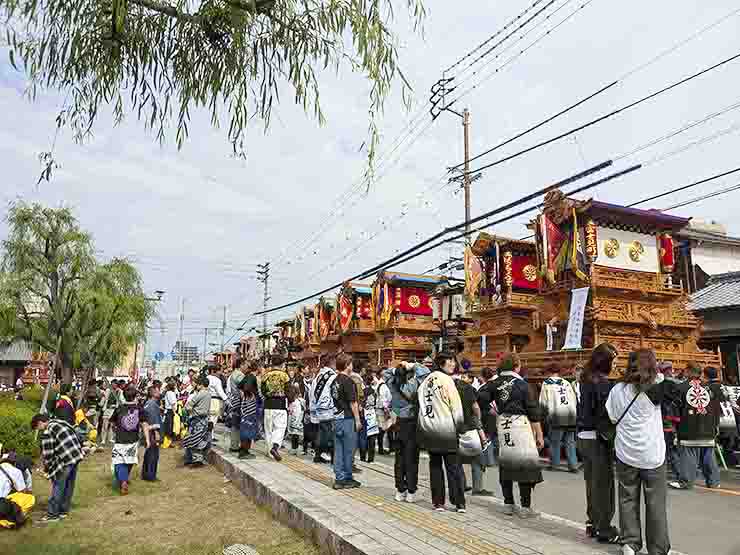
708,237
722,291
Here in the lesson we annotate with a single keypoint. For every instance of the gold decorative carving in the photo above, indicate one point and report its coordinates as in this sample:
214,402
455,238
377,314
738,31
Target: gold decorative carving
636,251
530,272
611,248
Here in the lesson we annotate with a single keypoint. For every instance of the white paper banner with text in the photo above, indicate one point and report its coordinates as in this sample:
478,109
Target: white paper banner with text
574,333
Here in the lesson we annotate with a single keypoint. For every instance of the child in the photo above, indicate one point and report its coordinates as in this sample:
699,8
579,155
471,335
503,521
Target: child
249,425
296,410
127,422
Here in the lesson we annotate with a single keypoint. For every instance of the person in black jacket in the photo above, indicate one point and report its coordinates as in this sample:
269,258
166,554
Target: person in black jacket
520,435
698,428
598,462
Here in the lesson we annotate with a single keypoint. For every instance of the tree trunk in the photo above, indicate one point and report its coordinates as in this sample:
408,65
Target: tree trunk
45,400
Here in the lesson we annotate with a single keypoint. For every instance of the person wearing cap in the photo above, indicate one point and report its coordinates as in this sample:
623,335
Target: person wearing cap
697,430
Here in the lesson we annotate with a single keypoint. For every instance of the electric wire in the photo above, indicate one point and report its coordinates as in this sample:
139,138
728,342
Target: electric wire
608,115
670,50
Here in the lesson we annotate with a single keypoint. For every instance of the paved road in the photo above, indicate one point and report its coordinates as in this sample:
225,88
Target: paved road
702,522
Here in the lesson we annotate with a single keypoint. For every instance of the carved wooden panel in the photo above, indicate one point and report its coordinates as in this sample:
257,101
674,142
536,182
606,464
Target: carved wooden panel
651,314
625,280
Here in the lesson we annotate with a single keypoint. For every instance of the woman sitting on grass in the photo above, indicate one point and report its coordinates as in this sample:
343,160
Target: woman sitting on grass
127,422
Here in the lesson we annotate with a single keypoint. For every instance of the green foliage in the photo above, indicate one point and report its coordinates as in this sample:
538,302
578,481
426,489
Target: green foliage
54,293
161,58
15,426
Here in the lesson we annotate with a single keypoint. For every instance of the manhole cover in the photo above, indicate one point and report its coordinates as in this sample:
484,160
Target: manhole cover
239,549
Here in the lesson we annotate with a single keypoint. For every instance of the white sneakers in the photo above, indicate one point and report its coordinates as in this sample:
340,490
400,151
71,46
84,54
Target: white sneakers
509,509
401,497
410,497
627,550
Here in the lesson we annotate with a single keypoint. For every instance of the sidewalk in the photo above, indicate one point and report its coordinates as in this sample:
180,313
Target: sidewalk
368,521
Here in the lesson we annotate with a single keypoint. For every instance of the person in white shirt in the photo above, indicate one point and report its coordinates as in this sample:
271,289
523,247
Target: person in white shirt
634,406
170,406
218,396
13,479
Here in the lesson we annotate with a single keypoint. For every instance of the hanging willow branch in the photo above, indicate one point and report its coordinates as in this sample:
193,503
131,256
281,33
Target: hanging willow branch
159,59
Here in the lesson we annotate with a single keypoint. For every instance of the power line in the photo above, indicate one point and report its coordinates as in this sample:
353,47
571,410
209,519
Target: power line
492,37
606,116
678,131
685,187
447,230
619,80
704,197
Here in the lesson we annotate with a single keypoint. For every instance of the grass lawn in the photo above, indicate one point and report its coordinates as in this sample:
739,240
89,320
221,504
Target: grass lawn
188,512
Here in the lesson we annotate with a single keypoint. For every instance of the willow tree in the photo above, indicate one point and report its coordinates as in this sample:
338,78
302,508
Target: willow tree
160,59
54,293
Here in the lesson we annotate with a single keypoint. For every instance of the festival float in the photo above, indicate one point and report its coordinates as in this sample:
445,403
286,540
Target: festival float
403,316
326,332
501,298
354,320
307,348
606,276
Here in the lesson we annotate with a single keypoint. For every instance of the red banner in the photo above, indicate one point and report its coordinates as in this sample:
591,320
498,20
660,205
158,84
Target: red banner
364,307
666,253
414,300
553,240
524,272
345,313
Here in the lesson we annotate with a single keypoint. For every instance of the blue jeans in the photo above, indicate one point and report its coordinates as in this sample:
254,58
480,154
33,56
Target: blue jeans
558,436
691,457
151,461
345,439
62,490
122,472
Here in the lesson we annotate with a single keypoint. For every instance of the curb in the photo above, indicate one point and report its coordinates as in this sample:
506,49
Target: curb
296,510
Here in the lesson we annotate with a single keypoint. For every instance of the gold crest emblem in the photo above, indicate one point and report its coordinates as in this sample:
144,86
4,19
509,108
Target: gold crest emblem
530,272
414,301
636,251
611,248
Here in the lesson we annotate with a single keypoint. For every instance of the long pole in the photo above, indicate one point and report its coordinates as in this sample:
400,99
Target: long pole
264,273
466,174
223,331
205,344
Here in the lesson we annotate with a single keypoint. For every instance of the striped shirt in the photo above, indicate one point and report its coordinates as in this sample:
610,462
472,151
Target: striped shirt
60,447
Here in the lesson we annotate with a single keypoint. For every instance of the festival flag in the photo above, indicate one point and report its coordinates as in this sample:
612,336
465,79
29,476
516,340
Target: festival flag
346,311
524,272
578,255
363,307
473,275
389,305
667,261
414,300
552,244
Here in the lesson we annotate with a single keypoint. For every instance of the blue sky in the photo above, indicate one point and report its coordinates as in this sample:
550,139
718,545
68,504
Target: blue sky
198,221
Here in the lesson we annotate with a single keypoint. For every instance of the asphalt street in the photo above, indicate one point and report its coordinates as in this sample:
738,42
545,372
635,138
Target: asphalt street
702,521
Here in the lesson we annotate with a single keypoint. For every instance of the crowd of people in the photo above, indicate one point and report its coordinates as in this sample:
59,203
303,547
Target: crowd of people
649,431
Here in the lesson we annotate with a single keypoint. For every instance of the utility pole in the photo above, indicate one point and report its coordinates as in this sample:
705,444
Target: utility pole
205,344
223,331
439,104
466,174
264,276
